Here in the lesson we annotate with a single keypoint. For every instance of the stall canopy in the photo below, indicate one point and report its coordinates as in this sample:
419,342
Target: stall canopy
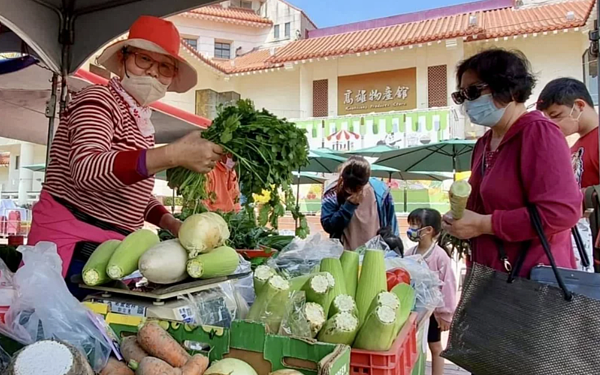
446,156
23,97
65,33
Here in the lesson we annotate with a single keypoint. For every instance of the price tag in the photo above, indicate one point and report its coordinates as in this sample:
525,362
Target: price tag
185,314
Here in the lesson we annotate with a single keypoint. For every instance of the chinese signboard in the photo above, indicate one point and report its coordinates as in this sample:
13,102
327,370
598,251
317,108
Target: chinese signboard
393,90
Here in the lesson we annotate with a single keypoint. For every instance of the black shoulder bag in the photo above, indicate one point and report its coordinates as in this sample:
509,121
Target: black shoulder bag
506,325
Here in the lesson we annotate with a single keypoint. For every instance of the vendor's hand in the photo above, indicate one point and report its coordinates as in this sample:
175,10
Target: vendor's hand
444,325
170,223
470,226
196,153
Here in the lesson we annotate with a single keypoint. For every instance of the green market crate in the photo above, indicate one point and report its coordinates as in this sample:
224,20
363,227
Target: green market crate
251,343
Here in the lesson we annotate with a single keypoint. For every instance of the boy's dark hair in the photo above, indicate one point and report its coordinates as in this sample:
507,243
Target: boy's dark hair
507,74
563,91
426,217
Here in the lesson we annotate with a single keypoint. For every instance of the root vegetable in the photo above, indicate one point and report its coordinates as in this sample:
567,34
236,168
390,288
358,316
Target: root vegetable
158,343
459,195
340,329
203,232
164,263
51,358
124,260
195,365
131,350
116,367
319,289
154,366
372,281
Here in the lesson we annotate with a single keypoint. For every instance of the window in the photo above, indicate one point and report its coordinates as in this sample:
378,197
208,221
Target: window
191,42
287,29
222,50
17,161
320,98
437,86
276,32
246,4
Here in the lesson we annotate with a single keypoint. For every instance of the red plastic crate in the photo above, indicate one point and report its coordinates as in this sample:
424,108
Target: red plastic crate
399,360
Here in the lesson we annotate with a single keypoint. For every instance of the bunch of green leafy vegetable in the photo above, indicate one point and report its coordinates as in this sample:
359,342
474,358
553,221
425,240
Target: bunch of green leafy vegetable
266,150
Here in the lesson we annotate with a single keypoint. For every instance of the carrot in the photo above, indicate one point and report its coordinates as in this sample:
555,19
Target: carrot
154,366
115,367
131,350
158,343
195,365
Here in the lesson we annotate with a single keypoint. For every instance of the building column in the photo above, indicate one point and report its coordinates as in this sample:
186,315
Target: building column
25,175
422,81
306,92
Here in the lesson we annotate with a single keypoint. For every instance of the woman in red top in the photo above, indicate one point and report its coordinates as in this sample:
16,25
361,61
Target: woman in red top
100,175
523,159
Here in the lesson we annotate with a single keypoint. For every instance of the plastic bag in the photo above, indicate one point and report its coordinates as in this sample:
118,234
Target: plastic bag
217,306
45,309
294,322
427,283
303,256
245,288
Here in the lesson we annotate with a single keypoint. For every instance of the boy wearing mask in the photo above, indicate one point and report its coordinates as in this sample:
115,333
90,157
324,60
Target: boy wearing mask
568,103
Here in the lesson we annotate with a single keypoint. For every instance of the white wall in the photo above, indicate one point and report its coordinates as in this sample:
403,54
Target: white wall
281,13
207,32
551,56
278,92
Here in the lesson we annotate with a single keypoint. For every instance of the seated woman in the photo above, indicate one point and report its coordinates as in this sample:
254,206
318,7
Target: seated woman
522,160
356,207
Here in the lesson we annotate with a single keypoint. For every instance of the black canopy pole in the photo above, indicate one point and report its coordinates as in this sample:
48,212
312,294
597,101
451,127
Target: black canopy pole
51,114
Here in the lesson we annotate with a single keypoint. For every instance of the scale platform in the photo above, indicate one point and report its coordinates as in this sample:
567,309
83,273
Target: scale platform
160,293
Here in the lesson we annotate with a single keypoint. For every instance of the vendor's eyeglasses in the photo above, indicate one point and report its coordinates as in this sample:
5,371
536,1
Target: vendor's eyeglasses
470,93
144,61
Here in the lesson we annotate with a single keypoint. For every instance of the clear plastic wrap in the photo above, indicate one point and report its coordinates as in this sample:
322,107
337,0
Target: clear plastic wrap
303,256
45,309
295,322
427,283
217,306
377,243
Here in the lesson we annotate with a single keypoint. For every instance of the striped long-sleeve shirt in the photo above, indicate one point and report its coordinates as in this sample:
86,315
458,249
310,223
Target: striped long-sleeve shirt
94,157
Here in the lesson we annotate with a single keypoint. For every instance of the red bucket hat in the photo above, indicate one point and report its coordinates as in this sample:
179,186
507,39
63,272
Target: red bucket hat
156,35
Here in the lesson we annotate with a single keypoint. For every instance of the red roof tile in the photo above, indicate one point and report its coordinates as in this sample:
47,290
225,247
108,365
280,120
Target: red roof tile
231,14
510,21
255,60
252,61
486,24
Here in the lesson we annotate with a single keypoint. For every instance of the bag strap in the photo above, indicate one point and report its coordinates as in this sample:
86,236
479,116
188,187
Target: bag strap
536,222
585,260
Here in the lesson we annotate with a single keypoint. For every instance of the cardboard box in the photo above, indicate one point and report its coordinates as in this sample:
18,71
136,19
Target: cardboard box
263,351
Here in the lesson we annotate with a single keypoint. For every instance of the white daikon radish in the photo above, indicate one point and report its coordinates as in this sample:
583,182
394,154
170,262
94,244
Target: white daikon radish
165,263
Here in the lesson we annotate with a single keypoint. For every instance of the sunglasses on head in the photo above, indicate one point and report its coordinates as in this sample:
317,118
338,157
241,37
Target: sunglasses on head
469,93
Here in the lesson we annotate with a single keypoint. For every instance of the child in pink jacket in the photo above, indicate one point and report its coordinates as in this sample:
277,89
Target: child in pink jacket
424,227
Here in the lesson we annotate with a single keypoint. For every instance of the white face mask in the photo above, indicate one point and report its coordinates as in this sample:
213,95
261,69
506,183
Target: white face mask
144,89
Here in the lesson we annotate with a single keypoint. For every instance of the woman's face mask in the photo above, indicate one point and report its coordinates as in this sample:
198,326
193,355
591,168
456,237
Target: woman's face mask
482,111
144,89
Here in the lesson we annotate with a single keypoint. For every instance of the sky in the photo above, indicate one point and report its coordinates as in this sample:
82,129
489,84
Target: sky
337,12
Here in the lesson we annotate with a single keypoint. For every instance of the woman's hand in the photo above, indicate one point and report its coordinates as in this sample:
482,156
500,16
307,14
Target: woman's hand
470,226
191,151
170,223
196,153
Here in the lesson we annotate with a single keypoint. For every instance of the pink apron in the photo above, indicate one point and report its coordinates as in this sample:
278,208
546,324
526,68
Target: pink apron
55,223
